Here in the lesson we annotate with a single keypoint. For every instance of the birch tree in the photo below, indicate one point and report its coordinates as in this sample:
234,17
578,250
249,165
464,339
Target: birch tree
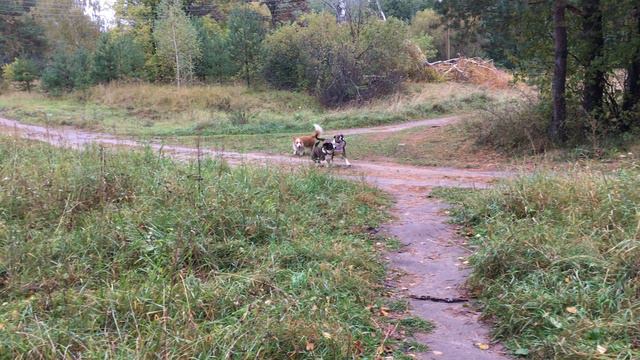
177,40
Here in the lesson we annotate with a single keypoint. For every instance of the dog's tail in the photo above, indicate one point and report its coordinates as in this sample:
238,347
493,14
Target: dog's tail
318,130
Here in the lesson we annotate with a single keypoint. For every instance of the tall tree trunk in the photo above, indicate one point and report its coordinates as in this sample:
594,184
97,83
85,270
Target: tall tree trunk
593,38
557,130
341,11
175,49
273,10
382,15
632,86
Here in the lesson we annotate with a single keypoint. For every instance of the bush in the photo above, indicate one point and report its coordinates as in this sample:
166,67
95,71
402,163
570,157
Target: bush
22,71
334,63
515,126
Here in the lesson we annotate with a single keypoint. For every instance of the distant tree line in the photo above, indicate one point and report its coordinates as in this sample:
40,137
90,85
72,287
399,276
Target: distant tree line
286,44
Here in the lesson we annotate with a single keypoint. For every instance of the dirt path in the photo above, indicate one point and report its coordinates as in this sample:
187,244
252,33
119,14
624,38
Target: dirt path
433,255
401,126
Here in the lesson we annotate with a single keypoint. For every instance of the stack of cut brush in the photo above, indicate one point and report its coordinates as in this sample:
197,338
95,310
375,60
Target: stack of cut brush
472,70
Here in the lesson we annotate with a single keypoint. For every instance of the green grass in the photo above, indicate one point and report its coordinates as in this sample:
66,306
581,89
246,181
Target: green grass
557,262
128,255
412,325
164,111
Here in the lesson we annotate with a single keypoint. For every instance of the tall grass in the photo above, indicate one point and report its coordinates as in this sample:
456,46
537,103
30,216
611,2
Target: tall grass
558,262
163,110
132,255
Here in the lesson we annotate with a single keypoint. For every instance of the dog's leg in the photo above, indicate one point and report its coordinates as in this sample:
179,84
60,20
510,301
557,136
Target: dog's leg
344,156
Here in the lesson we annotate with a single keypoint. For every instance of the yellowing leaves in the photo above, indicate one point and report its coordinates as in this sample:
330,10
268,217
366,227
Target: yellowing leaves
310,346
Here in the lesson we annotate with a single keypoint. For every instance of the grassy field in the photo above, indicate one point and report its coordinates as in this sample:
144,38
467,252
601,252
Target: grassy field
557,262
161,110
128,255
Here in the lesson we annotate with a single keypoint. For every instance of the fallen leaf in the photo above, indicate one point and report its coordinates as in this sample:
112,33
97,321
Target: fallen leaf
482,346
310,346
1,326
572,309
438,353
326,335
601,349
384,311
359,347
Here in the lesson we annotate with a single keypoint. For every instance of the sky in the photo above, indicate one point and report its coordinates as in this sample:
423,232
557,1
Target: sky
106,12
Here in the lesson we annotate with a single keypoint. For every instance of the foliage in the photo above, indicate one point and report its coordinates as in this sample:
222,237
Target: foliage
246,32
337,64
21,71
215,63
404,9
518,36
557,262
117,56
192,260
66,25
66,72
177,41
20,35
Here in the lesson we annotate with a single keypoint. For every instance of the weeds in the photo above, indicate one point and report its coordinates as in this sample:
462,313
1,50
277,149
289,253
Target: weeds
131,255
557,262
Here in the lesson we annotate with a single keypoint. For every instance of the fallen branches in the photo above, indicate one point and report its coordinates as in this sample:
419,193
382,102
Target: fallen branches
472,70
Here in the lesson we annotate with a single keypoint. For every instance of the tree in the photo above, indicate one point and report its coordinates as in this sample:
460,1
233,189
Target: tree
67,27
246,32
20,35
117,56
632,83
593,38
177,40
21,71
557,130
67,72
404,9
215,63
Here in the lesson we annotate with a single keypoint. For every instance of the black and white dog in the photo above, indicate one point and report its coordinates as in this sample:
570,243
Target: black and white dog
340,148
322,151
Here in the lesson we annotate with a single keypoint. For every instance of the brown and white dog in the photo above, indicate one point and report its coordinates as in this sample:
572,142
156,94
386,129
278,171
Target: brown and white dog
300,143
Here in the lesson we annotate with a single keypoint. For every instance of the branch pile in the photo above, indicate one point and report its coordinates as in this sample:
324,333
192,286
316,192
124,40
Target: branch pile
471,70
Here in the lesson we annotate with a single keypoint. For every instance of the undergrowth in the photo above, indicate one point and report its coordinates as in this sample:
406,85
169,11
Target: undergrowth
557,262
130,255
